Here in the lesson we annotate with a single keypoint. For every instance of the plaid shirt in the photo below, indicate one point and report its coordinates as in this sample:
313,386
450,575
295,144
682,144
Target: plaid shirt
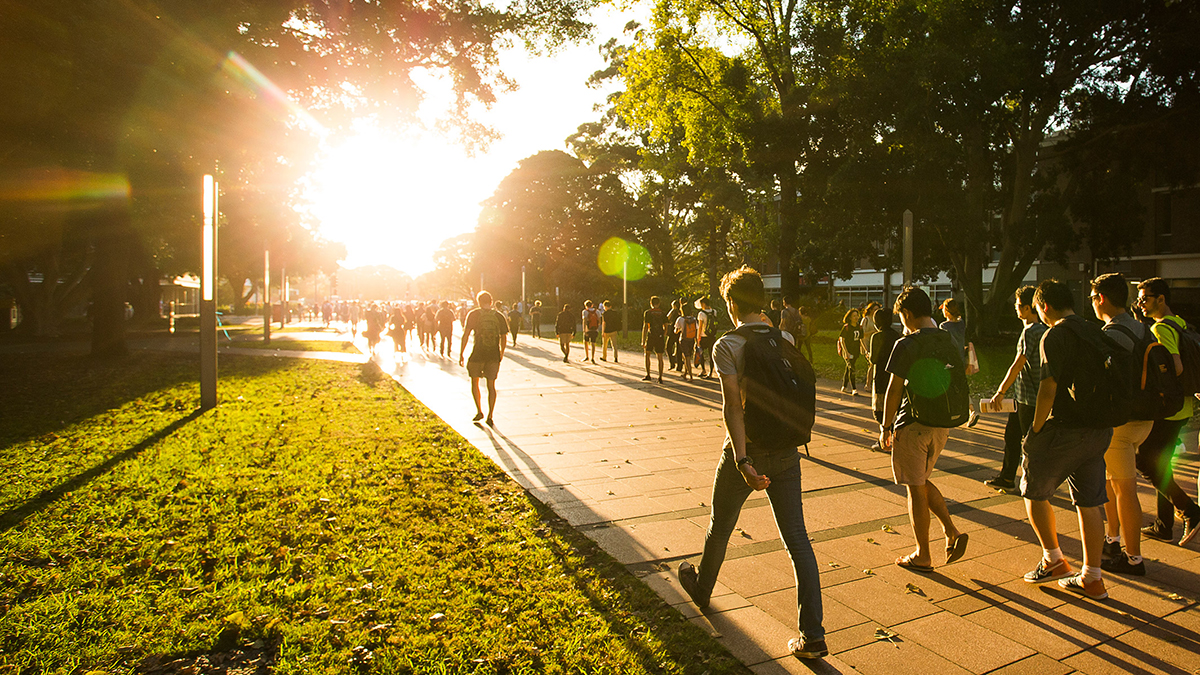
1025,389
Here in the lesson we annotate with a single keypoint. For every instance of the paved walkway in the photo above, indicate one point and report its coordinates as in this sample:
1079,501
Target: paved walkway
631,463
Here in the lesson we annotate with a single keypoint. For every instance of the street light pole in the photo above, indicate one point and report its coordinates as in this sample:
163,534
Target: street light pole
908,247
266,302
208,296
625,299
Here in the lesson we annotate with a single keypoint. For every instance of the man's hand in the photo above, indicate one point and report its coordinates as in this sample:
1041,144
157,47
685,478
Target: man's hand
460,359
995,401
752,477
886,436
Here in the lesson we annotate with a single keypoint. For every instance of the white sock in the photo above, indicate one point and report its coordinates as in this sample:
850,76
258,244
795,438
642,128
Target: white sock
1134,559
1052,555
1110,540
1090,573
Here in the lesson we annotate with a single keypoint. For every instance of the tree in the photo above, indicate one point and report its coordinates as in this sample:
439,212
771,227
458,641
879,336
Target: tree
75,75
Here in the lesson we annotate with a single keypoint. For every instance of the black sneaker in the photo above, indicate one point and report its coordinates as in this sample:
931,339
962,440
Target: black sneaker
690,581
1112,549
1158,530
803,649
1191,526
1120,564
999,483
646,378
1049,572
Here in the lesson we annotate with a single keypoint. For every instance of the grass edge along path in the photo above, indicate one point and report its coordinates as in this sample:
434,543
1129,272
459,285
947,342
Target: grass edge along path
321,520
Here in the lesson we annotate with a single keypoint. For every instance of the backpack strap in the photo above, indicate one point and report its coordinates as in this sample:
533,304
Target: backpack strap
1124,330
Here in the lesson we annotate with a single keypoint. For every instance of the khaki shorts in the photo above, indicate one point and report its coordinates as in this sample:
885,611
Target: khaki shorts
1119,459
915,449
485,369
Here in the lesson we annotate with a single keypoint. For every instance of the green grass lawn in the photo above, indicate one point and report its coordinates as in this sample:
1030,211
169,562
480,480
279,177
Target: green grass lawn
321,520
339,346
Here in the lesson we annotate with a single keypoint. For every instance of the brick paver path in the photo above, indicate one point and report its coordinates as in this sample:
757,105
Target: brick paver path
631,463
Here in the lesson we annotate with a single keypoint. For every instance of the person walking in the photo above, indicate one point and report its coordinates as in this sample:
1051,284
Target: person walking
673,337
491,337
535,319
687,327
445,328
868,331
918,412
1022,377
1155,457
355,313
882,343
1068,439
564,327
398,330
746,466
808,328
957,328
707,316
654,338
1123,511
611,321
849,342
514,321
592,320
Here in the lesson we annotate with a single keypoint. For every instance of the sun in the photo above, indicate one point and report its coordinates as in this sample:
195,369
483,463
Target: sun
392,199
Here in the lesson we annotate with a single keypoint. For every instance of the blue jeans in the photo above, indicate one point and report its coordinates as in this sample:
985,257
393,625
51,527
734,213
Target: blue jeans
730,492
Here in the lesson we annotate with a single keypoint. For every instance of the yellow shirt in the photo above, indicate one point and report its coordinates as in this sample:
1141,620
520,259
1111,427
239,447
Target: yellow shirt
1170,340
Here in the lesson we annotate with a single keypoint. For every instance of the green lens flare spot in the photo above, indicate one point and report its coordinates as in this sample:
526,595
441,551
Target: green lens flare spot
620,258
929,378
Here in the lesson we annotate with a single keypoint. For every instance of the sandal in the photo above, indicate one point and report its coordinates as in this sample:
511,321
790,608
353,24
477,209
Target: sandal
957,548
907,563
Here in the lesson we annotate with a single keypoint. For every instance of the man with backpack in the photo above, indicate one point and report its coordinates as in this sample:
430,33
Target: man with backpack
491,337
1109,297
926,396
1083,393
654,337
1156,455
768,403
687,327
591,331
707,316
673,337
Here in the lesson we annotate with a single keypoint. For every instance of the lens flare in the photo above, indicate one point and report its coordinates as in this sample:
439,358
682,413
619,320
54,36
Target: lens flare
237,67
619,258
63,186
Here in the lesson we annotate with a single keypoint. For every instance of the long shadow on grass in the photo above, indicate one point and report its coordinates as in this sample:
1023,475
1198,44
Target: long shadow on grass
17,515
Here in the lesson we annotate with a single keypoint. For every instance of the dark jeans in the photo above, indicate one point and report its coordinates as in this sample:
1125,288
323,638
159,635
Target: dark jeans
1014,436
730,492
673,350
1155,460
848,376
706,350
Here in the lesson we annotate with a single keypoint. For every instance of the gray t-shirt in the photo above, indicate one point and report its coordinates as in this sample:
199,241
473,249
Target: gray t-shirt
1125,319
729,358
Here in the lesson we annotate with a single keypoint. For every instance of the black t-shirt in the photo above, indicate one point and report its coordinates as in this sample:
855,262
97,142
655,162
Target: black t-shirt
905,355
565,323
850,336
881,350
611,320
1062,357
774,315
655,318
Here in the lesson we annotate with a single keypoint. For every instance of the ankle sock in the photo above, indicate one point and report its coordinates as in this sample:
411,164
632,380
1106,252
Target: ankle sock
1112,540
1090,573
1134,559
1052,555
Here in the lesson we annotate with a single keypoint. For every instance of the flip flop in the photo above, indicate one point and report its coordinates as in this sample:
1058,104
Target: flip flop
907,563
956,550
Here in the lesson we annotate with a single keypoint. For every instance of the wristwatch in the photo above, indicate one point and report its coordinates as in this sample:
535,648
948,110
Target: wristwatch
745,460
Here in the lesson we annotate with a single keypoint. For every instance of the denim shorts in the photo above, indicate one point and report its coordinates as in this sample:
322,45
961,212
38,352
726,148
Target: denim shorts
1072,454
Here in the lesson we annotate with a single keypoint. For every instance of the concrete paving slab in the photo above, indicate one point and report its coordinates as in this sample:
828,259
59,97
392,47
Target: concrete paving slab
964,643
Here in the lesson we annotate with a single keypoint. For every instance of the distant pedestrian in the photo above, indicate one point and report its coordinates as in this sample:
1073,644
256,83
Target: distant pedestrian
612,325
957,328
654,338
1067,440
926,395
868,331
762,433
398,330
564,327
687,327
491,337
1023,377
849,343
775,313
535,319
375,323
591,318
1155,457
707,316
445,328
514,321
882,343
673,337
808,328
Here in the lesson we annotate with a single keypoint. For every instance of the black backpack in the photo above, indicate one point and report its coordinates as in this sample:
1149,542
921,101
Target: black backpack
1102,387
936,385
781,390
1157,393
1189,353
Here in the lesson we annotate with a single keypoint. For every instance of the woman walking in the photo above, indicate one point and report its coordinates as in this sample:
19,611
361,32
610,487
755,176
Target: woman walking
849,348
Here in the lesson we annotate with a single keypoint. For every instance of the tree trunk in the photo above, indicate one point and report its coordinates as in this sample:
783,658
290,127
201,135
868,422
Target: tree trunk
112,236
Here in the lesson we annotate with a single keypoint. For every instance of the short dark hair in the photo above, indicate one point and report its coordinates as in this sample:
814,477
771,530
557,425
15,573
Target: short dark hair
1055,294
790,299
1156,286
483,299
1025,295
951,309
744,287
915,301
882,317
1112,286
654,301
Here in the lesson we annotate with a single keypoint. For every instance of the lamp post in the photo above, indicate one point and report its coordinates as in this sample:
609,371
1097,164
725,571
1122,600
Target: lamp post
908,247
208,296
266,303
625,299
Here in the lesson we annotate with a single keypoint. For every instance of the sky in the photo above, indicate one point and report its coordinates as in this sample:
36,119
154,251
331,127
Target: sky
392,198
